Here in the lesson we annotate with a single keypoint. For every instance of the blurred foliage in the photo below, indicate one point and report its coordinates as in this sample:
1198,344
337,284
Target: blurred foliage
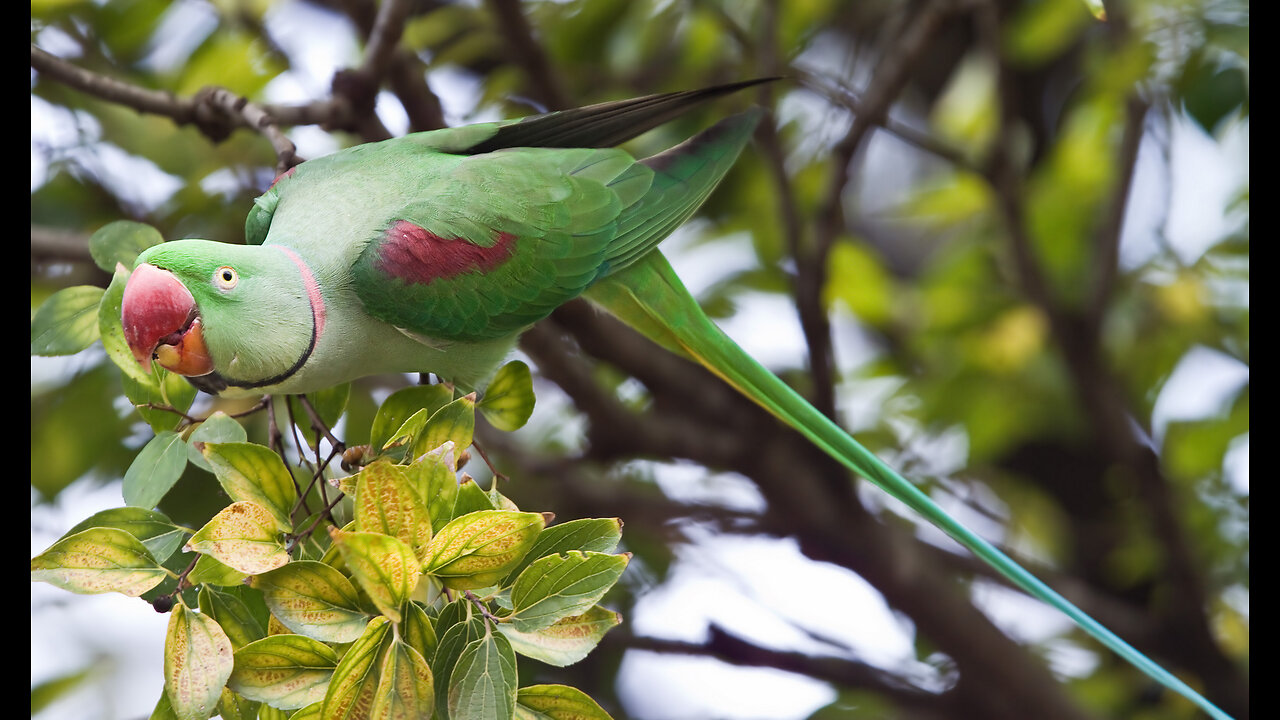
927,280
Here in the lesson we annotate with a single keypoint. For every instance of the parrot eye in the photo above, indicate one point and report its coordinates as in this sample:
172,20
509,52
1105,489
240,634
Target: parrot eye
225,277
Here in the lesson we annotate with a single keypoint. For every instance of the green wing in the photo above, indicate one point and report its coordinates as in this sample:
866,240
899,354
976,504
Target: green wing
499,241
503,238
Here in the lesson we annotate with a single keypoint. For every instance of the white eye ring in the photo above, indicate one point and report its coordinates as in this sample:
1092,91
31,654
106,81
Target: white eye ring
225,277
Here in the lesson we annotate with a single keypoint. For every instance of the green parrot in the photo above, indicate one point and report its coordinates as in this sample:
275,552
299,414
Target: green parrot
433,253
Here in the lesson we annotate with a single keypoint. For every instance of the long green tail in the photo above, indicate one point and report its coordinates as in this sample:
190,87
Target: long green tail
650,297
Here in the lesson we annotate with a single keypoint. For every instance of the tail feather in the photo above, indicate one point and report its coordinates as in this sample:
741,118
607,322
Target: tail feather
650,297
604,124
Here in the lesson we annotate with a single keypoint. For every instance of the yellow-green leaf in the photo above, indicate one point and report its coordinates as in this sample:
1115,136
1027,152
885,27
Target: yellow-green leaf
557,702
242,536
558,586
313,599
98,560
508,400
585,534
480,548
217,428
355,681
858,280
197,662
417,630
434,477
234,706
284,671
252,472
455,421
387,503
407,430
386,568
310,712
566,641
405,688
160,536
401,406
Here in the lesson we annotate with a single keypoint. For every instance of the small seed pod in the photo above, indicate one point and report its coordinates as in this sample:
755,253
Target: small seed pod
353,457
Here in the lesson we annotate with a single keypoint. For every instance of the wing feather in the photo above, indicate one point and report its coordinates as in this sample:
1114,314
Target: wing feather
499,242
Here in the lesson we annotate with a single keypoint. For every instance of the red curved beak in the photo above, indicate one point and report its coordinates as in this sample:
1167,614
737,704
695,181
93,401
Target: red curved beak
161,321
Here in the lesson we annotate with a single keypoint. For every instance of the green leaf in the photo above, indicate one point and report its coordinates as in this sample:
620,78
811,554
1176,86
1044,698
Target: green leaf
234,706
858,280
566,641
454,422
1210,91
557,702
558,586
508,400
453,641
405,687
417,630
154,471
284,671
328,403
387,503
217,428
386,568
401,406
121,242
67,322
230,58
406,432
313,599
585,534
252,472
52,690
160,536
242,536
478,549
98,560
310,712
233,616
471,498
111,330
433,475
355,680
484,682
197,662
1040,31
211,572
163,389
163,709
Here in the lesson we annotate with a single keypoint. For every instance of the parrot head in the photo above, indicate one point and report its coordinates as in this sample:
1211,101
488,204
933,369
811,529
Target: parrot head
221,314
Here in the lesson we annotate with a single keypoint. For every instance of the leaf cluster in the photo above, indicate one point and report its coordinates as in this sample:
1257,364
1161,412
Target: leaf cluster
415,607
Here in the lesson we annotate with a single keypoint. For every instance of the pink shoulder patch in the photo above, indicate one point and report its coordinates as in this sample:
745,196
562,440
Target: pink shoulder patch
413,254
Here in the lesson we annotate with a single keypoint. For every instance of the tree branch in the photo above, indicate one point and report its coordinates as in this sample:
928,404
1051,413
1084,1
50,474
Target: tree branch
216,111
527,54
